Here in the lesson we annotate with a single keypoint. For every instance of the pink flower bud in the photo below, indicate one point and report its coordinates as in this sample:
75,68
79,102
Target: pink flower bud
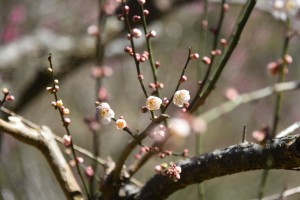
67,140
157,64
126,10
140,77
206,60
93,30
223,42
136,33
146,12
10,98
194,56
288,59
136,18
89,171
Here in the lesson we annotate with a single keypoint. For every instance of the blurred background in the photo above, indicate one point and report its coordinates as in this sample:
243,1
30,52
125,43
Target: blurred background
30,30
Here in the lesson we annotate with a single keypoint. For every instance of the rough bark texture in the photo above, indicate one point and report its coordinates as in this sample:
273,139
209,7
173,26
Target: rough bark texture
42,139
284,152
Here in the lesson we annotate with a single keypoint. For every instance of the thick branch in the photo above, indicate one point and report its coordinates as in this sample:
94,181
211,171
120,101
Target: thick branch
44,140
285,154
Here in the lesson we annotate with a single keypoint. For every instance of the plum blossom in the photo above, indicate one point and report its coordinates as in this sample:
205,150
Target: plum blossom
153,103
121,123
105,113
181,97
282,9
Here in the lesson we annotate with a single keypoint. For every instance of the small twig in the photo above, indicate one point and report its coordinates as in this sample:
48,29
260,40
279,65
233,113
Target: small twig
66,126
210,66
179,81
149,48
125,153
279,99
137,64
244,133
281,77
243,18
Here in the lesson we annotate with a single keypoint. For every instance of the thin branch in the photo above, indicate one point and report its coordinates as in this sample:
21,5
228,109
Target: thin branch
181,75
113,182
244,16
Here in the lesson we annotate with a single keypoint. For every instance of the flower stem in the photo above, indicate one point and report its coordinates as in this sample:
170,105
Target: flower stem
67,130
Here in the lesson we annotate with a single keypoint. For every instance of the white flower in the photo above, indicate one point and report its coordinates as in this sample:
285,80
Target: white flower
281,9
153,103
121,123
181,97
105,113
179,126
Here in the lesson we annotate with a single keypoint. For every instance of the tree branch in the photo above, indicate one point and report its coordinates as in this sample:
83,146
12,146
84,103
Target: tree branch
285,154
44,140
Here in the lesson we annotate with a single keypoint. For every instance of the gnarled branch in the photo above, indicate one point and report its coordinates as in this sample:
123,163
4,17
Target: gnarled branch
285,153
44,140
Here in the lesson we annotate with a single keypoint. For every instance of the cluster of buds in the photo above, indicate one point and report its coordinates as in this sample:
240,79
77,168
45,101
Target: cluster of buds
79,160
275,67
170,170
55,86
158,133
146,149
142,57
156,86
128,50
6,96
216,52
63,110
194,56
101,71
